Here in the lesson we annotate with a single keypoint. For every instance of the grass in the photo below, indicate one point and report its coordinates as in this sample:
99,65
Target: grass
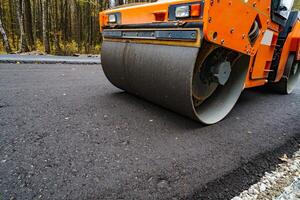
66,48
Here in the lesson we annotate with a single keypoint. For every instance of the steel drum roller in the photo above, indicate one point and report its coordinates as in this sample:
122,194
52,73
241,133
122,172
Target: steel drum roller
164,75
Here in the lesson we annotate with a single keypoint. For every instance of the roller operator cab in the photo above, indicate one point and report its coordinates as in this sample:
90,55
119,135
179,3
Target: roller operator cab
195,57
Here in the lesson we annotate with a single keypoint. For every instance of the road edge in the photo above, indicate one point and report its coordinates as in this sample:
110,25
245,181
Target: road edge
247,174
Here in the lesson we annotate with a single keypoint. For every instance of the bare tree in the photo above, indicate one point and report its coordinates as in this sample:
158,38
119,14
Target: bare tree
28,23
20,5
45,26
56,34
121,2
4,36
112,3
67,26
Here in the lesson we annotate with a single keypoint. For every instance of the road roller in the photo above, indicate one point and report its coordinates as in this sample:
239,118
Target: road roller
195,57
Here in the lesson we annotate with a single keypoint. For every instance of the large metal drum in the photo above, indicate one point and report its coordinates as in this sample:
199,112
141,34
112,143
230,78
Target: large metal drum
165,76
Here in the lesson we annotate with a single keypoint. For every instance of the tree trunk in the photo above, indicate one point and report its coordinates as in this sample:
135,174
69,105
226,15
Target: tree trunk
64,21
38,21
33,18
112,3
5,39
12,24
121,2
23,47
45,26
28,23
56,34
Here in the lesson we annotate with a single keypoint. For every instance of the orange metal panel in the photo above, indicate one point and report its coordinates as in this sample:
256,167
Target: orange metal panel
262,63
255,83
145,13
298,51
249,82
231,27
287,48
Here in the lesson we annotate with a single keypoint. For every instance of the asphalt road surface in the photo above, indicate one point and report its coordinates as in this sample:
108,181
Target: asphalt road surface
48,59
67,133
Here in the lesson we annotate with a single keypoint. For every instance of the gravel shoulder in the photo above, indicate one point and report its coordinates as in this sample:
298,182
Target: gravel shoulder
280,184
67,133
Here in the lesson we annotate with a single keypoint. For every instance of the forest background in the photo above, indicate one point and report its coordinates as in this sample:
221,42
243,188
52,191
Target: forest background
61,27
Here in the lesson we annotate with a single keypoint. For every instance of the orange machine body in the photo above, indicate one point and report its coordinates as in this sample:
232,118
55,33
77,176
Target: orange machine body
292,44
223,22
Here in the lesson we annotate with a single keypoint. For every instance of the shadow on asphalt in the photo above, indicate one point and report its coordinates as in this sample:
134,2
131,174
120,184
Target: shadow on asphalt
178,120
247,98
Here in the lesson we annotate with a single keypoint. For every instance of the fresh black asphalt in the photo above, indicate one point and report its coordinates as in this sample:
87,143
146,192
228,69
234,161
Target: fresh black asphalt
67,133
